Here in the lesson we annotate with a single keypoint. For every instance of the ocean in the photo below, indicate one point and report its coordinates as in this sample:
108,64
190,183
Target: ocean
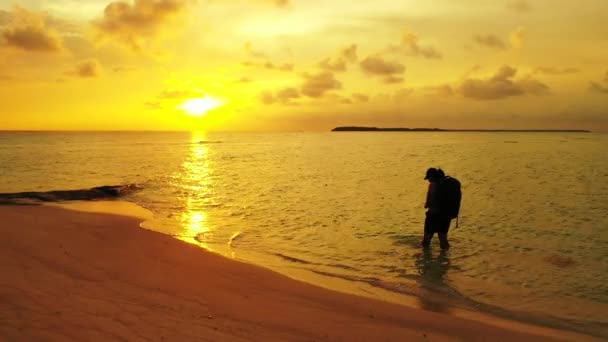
346,209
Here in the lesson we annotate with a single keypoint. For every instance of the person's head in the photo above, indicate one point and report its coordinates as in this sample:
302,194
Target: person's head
433,174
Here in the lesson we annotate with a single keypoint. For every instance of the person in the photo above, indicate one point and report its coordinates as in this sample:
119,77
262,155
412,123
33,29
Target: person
442,204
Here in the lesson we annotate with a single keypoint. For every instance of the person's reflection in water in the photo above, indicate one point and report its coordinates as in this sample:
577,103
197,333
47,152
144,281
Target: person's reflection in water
432,273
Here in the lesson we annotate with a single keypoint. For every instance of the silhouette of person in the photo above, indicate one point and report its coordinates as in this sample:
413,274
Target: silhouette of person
437,220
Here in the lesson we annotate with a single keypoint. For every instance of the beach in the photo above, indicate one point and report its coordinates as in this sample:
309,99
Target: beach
77,275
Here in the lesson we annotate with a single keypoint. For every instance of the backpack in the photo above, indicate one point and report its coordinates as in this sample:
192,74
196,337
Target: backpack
449,196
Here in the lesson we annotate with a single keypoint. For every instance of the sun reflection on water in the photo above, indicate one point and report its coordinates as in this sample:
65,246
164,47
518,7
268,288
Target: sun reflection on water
197,183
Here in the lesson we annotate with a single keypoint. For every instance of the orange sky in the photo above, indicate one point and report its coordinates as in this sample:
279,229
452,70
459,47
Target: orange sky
276,65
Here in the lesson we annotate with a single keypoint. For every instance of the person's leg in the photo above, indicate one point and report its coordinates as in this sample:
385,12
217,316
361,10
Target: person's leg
443,241
428,232
443,233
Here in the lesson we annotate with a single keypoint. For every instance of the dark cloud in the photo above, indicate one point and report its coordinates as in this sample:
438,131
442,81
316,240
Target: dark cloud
410,42
267,97
270,66
284,96
598,88
491,41
287,94
349,53
501,85
339,64
317,85
28,31
86,69
532,86
555,71
376,65
393,79
358,97
134,24
520,6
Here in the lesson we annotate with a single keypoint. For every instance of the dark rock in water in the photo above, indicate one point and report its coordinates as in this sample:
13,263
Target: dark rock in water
101,192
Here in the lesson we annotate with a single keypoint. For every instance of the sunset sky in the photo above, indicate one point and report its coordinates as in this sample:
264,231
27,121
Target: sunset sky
303,65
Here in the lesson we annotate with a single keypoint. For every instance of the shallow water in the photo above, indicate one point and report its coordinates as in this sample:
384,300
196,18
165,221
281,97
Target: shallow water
532,241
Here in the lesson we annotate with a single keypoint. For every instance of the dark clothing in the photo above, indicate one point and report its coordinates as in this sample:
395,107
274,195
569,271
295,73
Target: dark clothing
435,223
437,220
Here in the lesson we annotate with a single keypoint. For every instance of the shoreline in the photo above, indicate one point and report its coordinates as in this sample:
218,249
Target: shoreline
89,275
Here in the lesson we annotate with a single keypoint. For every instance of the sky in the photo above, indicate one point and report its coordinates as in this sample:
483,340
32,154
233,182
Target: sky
303,65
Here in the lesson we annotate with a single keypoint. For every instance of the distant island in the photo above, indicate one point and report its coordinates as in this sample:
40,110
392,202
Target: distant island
402,129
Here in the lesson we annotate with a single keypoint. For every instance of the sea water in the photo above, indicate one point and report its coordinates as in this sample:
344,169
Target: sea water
531,241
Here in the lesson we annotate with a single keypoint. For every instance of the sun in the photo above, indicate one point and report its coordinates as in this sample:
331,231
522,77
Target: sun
201,105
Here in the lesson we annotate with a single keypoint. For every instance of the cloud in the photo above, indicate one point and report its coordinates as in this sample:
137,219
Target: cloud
349,53
287,94
267,98
410,42
134,24
27,31
86,69
491,41
358,97
376,65
520,6
517,38
335,65
278,3
598,88
244,80
339,64
284,96
251,52
393,79
555,71
317,85
501,85
154,105
270,66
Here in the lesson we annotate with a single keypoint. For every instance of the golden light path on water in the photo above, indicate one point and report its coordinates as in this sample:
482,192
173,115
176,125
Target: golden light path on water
196,175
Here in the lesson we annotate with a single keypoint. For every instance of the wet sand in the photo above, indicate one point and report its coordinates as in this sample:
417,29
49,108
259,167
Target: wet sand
75,275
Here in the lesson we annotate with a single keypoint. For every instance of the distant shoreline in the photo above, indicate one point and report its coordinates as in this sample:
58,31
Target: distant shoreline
401,129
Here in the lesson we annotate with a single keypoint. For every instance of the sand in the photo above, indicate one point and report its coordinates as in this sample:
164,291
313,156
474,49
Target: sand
74,275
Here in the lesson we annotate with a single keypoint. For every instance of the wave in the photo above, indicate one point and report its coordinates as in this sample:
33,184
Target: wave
100,192
292,259
209,142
